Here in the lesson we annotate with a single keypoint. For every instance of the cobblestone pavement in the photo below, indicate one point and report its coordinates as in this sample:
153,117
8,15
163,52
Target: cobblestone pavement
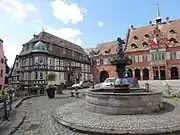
38,116
76,114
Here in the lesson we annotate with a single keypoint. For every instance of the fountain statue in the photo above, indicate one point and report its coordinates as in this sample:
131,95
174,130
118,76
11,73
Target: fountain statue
121,84
121,60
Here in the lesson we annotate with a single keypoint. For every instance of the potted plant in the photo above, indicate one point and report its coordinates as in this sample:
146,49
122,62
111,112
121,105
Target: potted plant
50,89
4,97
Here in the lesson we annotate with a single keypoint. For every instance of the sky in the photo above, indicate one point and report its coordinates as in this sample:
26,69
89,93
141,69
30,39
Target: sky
83,22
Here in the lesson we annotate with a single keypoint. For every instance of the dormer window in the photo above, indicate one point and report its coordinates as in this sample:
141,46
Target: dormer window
144,44
108,51
172,31
134,46
135,38
146,36
173,40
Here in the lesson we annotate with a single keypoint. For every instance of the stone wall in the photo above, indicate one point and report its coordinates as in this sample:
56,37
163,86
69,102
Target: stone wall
123,103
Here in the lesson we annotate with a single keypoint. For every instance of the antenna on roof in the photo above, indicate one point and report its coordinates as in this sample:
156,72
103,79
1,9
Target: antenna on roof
158,16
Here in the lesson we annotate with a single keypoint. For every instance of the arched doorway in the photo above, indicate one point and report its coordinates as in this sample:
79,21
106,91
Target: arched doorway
103,75
137,74
174,73
145,74
130,73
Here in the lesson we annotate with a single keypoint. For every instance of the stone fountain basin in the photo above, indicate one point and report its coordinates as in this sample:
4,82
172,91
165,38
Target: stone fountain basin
136,102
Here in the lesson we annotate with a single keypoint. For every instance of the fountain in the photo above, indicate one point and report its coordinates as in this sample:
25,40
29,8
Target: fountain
121,99
121,109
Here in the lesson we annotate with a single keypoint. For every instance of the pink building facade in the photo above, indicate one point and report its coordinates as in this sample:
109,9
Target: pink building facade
2,66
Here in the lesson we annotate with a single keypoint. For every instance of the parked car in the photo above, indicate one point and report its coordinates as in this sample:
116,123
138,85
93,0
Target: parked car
109,82
133,82
81,84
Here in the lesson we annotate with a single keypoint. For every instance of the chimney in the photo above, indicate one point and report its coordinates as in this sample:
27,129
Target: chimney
132,26
35,36
167,19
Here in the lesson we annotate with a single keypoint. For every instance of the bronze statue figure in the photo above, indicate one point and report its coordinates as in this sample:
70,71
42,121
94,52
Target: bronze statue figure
120,50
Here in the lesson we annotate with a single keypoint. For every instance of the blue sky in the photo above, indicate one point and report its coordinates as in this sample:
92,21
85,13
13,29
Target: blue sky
85,22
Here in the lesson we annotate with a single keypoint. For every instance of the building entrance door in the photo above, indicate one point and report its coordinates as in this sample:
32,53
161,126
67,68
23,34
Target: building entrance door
163,74
103,75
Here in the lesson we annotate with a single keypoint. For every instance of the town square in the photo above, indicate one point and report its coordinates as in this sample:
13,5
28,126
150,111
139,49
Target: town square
89,68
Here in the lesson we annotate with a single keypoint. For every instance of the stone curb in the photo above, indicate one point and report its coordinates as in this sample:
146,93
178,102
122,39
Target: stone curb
97,131
15,128
93,131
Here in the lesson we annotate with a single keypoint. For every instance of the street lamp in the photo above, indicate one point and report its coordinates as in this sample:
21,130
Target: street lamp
92,67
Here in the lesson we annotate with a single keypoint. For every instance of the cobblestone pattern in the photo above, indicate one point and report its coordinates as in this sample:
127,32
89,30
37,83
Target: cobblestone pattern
38,116
75,113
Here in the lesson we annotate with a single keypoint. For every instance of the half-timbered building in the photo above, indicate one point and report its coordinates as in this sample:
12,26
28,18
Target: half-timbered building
47,53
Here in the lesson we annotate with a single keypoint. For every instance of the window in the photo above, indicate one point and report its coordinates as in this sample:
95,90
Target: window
0,87
36,75
1,74
144,44
152,57
135,38
146,36
173,40
61,63
2,61
133,46
163,55
144,57
172,55
41,75
133,58
98,61
101,61
172,31
41,60
36,60
156,56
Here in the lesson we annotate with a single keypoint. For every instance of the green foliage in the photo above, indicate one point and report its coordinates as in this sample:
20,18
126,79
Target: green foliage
4,93
50,76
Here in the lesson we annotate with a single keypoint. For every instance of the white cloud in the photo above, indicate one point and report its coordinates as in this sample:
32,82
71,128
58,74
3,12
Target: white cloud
69,34
100,24
67,13
18,9
11,50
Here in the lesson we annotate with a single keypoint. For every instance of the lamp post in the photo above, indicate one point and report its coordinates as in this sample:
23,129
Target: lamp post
158,59
92,68
93,72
